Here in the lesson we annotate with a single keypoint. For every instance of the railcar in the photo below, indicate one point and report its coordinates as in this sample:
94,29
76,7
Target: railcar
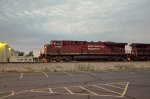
140,52
68,50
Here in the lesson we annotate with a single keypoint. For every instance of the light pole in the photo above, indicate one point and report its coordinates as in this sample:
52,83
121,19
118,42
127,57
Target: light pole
9,49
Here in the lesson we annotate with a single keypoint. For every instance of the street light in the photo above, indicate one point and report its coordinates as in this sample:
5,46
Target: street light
9,49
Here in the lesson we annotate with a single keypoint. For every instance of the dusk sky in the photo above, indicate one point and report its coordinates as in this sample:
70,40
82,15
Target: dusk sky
26,25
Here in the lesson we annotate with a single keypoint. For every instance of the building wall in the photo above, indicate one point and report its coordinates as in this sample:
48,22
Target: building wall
6,52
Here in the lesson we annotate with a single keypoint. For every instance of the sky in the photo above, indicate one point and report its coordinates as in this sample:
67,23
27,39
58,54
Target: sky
26,25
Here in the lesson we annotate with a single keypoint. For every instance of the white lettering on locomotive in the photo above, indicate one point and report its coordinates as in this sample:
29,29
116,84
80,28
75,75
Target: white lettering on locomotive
95,47
58,46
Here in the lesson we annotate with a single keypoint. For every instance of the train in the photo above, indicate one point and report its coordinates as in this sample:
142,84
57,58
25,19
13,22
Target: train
70,50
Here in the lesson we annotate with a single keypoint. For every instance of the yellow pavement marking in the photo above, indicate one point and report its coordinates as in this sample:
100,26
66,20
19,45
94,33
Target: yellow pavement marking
88,90
107,89
114,86
68,90
87,72
125,89
21,75
50,90
68,74
45,74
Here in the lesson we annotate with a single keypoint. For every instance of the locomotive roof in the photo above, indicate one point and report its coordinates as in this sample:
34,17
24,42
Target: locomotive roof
143,44
116,43
66,41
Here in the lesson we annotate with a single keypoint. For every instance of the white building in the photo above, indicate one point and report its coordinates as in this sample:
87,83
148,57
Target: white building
21,59
6,52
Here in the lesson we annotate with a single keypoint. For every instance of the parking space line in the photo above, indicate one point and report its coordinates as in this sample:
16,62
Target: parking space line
68,90
87,72
68,74
121,84
50,90
45,74
21,75
114,86
88,90
126,87
13,93
107,89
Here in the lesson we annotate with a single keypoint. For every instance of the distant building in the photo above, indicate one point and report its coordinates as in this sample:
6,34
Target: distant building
6,52
21,59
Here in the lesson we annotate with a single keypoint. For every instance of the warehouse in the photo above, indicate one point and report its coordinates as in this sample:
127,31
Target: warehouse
6,52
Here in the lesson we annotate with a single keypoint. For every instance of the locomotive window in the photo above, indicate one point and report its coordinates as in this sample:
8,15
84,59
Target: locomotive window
57,43
76,42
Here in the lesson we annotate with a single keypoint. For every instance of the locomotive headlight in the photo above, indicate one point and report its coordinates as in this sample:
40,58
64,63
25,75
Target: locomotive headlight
45,47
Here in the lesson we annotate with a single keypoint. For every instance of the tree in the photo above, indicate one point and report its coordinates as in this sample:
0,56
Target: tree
21,53
30,54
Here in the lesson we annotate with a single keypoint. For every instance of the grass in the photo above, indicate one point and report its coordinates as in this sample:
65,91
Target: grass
30,69
77,67
84,67
46,69
8,71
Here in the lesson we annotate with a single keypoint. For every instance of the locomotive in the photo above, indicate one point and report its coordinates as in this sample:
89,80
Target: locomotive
69,50
140,51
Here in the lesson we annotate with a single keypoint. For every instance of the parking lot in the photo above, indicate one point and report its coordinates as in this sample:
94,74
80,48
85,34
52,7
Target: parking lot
81,85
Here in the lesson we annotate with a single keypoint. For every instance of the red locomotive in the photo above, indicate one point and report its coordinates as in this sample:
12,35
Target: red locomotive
67,50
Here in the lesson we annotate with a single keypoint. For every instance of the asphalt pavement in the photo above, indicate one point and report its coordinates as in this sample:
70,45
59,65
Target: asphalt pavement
75,85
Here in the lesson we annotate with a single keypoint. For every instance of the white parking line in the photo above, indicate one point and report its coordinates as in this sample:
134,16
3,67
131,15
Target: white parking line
114,86
68,90
45,74
122,83
21,75
50,90
68,74
125,89
87,72
88,90
107,89
13,93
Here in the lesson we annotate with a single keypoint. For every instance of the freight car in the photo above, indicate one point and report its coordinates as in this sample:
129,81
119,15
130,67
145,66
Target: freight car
67,50
140,52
